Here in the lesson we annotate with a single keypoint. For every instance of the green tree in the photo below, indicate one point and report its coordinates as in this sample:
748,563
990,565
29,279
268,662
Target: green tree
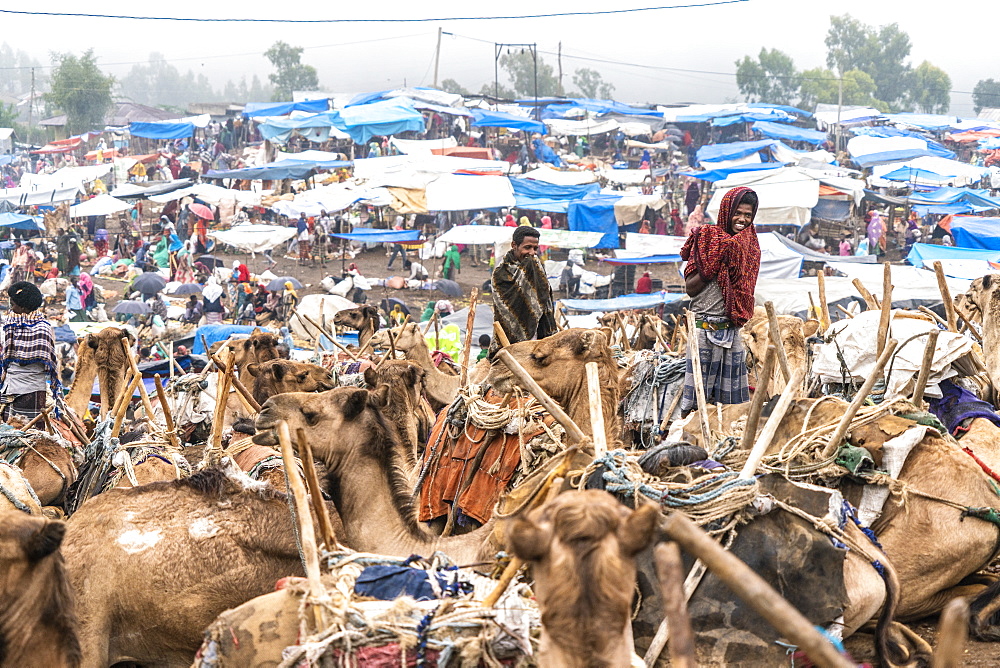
986,94
452,86
8,115
503,92
880,52
930,89
769,78
592,84
290,74
80,90
158,83
520,67
821,86
17,66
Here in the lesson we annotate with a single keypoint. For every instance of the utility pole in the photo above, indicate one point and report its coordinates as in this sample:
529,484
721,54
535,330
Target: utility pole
31,103
840,106
559,59
437,58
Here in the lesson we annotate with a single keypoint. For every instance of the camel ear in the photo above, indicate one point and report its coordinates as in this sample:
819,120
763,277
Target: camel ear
278,371
45,541
987,281
636,532
379,397
128,335
810,328
355,403
608,335
252,369
527,540
256,330
92,342
371,377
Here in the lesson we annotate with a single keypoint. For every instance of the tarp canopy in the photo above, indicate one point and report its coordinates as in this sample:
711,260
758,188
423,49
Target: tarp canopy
370,236
254,238
283,108
387,117
790,132
102,205
924,255
274,173
464,192
652,244
423,146
561,178
542,196
951,195
643,259
28,197
713,175
917,176
584,127
318,127
20,221
976,232
813,256
500,119
787,196
596,214
623,302
964,173
732,151
162,130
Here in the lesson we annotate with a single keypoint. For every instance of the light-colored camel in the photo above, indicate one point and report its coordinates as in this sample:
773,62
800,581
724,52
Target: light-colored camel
347,430
99,355
982,304
406,410
14,486
279,376
794,332
365,319
48,467
151,567
582,548
260,347
38,624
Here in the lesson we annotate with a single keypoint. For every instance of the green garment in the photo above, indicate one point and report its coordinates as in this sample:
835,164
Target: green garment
428,312
162,253
452,261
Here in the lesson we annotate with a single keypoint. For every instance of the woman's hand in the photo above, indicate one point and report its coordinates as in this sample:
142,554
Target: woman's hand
694,284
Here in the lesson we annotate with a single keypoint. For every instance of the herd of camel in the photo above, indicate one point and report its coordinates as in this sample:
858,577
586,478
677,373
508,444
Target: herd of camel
147,562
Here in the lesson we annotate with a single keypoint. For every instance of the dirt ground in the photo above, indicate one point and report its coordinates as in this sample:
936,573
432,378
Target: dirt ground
860,646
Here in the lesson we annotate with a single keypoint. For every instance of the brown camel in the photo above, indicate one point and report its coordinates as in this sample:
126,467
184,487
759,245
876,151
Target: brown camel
99,355
279,376
982,303
153,566
407,410
38,624
48,467
16,492
794,332
366,479
557,363
582,548
260,347
365,319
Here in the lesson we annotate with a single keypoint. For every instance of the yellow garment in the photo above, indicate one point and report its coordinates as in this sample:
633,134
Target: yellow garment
449,340
524,221
99,188
138,169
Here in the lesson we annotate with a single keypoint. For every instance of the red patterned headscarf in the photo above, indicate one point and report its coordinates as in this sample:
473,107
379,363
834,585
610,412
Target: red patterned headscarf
732,260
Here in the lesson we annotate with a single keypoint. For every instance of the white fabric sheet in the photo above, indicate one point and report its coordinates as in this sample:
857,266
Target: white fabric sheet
462,192
254,238
102,205
423,146
787,195
653,244
558,178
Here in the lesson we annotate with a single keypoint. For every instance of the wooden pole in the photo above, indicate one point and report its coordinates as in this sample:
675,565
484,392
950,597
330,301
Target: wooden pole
670,573
699,380
869,298
824,307
573,432
968,322
148,407
168,419
315,491
953,632
221,399
238,384
596,410
886,316
121,406
774,333
469,322
759,397
949,303
329,336
925,368
859,398
761,445
500,335
755,592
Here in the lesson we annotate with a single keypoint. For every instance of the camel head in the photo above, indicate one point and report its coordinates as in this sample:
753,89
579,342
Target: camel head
405,379
582,548
257,348
279,376
107,346
357,318
981,300
794,332
405,338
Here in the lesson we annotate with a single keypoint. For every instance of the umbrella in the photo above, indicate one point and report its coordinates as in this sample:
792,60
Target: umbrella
279,283
186,289
389,302
201,211
149,283
450,288
211,261
131,307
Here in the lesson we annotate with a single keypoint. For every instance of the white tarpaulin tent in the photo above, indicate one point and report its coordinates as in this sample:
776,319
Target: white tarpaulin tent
28,197
494,234
331,198
320,308
66,177
959,173
423,146
787,195
653,244
571,128
416,171
559,178
254,238
462,192
210,193
102,205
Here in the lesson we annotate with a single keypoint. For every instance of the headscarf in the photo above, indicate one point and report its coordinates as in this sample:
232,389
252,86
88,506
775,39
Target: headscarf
697,216
290,289
546,223
524,221
86,285
509,221
212,290
876,231
732,260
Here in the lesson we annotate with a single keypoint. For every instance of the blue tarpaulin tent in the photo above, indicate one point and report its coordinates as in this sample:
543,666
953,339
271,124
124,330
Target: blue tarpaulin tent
952,195
498,119
624,302
914,174
266,173
161,130
380,236
20,221
976,232
790,132
383,118
283,108
214,333
924,255
280,129
886,157
732,151
596,214
713,175
542,196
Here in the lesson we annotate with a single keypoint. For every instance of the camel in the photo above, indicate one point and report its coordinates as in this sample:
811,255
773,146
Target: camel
406,409
99,355
794,332
442,388
347,430
261,346
982,303
38,624
365,319
16,492
279,375
148,582
47,466
582,548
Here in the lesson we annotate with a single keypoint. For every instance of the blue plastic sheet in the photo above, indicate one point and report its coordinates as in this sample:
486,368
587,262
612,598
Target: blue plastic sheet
595,214
647,259
283,108
276,173
20,221
886,157
381,236
790,132
910,174
924,255
499,119
732,151
214,333
624,302
977,232
161,130
530,188
380,119
713,175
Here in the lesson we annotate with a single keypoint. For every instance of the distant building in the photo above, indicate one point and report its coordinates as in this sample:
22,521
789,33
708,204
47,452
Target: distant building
990,114
133,112
218,111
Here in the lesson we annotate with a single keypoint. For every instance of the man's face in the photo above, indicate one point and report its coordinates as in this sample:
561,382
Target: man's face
742,217
528,248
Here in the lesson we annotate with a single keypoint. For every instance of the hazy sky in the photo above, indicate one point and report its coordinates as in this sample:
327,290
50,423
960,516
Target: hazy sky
361,57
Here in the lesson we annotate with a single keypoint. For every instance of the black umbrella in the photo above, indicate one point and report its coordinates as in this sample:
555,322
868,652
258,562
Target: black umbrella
279,283
389,302
450,288
149,283
131,307
187,289
211,261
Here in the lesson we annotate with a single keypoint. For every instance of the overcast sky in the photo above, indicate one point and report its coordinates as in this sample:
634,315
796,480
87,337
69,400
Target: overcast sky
362,57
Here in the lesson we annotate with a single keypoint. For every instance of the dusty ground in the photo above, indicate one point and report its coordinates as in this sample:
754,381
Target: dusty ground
976,653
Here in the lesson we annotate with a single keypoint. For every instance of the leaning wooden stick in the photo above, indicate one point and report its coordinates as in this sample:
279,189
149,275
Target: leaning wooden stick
329,337
755,592
925,368
469,322
761,445
949,303
774,333
238,384
670,573
500,335
214,451
869,298
121,406
142,388
699,380
760,395
167,417
885,317
315,491
573,432
596,410
824,307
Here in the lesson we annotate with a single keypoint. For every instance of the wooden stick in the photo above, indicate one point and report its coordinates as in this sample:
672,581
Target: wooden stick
869,298
122,406
148,407
886,316
329,336
129,376
221,399
501,335
469,322
671,408
774,333
761,445
949,303
315,491
845,420
755,592
824,307
845,311
573,432
933,316
167,417
238,384
35,419
596,410
925,368
170,356
670,573
760,395
307,532
953,632
967,319
699,380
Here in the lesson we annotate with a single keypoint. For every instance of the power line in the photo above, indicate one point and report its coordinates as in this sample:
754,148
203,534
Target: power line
192,19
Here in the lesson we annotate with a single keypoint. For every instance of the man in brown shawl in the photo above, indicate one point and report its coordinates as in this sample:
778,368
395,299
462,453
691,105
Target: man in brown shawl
522,298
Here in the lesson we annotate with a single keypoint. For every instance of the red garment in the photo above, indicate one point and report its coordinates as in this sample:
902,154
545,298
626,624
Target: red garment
644,285
242,273
509,221
732,260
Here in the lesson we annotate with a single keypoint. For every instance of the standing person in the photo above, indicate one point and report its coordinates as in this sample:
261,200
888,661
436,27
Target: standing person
212,302
522,298
241,272
305,241
289,300
452,263
74,300
846,248
27,354
677,223
723,261
691,196
19,261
